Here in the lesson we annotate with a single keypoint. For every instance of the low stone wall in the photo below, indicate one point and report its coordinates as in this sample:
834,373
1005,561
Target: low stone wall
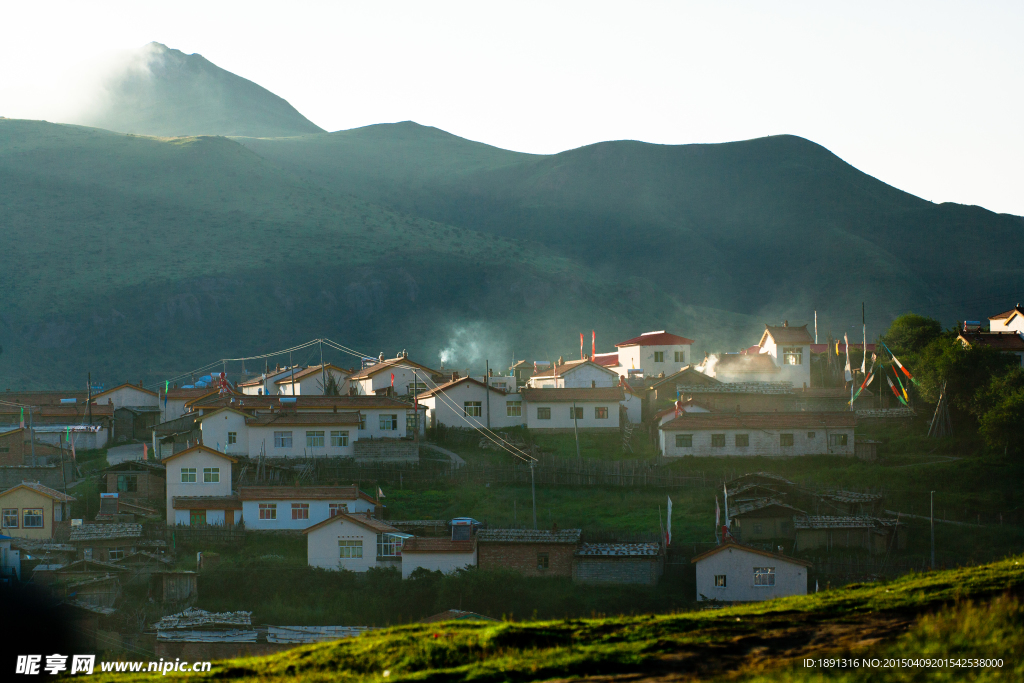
386,450
47,476
636,570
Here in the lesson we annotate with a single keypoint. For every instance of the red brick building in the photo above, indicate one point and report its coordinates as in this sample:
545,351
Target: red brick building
528,551
137,480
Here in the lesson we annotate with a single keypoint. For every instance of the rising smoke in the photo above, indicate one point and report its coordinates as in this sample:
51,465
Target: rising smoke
469,345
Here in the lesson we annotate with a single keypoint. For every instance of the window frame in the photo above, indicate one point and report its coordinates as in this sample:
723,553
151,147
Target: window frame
353,545
187,472
600,412
232,438
513,408
543,413
543,562
283,439
388,422
718,440
389,542
764,577
5,515
339,438
576,413
313,435
196,514
659,356
335,509
838,440
720,583
120,551
300,511
268,512
680,357
211,475
783,438
130,483
789,353
684,440
473,408
812,435
745,438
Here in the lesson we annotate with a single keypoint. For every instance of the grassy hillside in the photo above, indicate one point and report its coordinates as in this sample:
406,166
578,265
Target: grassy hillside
776,226
138,258
948,614
161,91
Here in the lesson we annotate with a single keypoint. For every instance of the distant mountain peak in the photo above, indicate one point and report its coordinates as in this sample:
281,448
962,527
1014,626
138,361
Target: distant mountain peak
162,91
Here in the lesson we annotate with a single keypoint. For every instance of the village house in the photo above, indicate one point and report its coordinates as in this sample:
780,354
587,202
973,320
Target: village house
409,378
137,480
528,551
271,508
1009,342
466,402
622,563
14,447
762,520
175,401
264,384
355,542
790,349
437,555
105,542
31,510
563,410
199,488
737,573
652,354
877,536
574,374
128,396
310,381
771,434
74,572
1010,321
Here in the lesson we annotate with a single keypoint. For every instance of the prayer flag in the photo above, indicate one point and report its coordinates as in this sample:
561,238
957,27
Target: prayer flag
849,372
593,344
581,346
392,380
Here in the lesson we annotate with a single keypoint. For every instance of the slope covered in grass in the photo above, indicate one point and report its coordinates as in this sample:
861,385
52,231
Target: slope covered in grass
759,641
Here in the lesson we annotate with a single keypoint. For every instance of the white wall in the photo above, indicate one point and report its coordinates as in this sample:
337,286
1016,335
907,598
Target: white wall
561,417
634,406
442,562
762,442
198,459
322,546
738,567
174,409
643,357
799,375
457,396
403,378
311,384
128,396
319,510
1016,325
215,428
262,438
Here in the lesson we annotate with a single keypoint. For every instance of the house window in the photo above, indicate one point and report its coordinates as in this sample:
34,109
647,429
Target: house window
718,440
417,387
9,520
837,439
268,510
115,554
86,553
473,408
513,408
659,356
411,419
282,439
350,550
232,438
389,545
543,562
188,475
719,580
543,413
211,475
792,355
315,439
680,356
339,439
684,440
785,440
743,440
337,508
362,421
388,423
127,483
601,413
764,576
810,435
197,517
300,510
575,413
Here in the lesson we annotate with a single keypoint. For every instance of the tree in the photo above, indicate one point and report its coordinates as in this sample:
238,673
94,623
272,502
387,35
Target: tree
1000,410
909,334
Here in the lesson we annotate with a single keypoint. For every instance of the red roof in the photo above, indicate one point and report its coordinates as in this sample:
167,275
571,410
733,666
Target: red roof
302,493
608,360
660,338
436,545
1008,314
1001,341
795,420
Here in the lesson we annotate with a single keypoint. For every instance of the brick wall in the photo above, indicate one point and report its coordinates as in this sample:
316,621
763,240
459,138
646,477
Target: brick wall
636,570
150,486
12,448
522,557
386,450
47,476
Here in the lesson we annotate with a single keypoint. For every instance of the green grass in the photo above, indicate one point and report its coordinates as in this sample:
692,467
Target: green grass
762,641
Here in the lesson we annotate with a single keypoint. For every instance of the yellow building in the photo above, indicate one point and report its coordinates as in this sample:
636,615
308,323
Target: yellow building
31,510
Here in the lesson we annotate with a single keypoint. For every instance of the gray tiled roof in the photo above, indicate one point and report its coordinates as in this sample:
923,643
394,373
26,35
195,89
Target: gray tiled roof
529,536
619,550
99,532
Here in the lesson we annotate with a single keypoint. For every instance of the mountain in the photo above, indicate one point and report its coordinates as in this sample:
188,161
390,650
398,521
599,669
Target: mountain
164,92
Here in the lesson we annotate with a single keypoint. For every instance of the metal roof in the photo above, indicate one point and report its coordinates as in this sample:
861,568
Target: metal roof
529,536
619,550
199,618
99,532
827,522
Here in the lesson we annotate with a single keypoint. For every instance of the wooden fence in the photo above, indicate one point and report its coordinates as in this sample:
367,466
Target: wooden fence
209,535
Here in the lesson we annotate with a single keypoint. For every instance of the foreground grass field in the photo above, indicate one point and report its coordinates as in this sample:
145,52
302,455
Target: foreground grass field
971,613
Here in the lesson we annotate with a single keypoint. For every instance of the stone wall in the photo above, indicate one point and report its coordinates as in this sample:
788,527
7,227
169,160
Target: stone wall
637,570
47,476
523,557
386,450
150,487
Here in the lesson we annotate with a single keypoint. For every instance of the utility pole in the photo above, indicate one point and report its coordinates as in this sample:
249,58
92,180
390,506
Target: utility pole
88,400
323,370
932,515
576,430
815,327
533,492
487,390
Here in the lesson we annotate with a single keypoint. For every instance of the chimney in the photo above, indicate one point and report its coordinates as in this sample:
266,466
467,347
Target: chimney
785,323
560,361
455,376
490,373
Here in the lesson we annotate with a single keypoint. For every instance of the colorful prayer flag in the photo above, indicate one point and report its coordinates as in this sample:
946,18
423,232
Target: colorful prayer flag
593,344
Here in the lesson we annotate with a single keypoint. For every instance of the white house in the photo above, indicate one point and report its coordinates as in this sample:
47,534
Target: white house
783,434
299,507
199,487
437,554
353,542
790,349
734,368
654,353
309,382
506,383
127,396
552,409
264,384
175,402
409,378
1010,321
466,402
574,374
736,573
681,407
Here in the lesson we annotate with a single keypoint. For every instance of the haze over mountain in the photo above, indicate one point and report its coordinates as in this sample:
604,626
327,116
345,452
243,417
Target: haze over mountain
139,258
164,92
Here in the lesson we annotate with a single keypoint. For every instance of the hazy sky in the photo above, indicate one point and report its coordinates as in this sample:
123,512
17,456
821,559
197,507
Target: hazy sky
925,96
